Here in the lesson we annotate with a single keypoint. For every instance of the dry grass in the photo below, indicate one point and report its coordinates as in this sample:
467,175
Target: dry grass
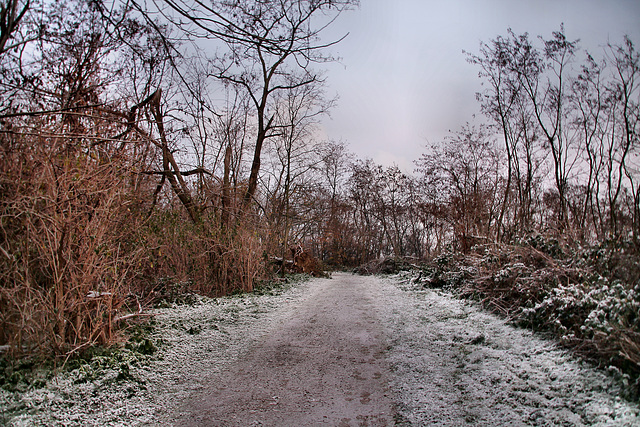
83,241
78,248
200,257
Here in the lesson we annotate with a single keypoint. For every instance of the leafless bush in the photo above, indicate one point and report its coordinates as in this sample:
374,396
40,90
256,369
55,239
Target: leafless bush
207,259
65,220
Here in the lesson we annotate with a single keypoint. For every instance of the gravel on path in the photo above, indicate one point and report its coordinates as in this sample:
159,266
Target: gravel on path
323,364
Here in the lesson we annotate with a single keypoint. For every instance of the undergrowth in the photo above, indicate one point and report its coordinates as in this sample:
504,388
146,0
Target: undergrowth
276,286
29,373
29,386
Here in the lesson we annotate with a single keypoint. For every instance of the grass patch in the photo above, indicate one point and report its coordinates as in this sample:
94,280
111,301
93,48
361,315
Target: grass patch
279,285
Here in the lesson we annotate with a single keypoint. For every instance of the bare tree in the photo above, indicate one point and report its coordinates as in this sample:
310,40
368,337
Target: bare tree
295,152
334,169
592,119
528,99
367,240
500,102
544,77
626,93
464,172
270,47
11,14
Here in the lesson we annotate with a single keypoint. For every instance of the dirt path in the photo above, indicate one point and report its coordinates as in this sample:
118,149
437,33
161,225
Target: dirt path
348,351
368,351
324,364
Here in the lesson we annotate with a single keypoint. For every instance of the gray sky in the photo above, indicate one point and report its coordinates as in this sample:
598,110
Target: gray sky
403,80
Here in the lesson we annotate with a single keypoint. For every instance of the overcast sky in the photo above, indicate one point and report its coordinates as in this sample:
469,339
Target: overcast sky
403,80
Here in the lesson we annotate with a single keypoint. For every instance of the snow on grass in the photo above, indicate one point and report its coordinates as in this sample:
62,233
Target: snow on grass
127,388
202,340
453,361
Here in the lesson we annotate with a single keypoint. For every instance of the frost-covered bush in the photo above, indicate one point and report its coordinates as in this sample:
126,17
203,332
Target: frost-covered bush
448,271
549,246
596,311
599,318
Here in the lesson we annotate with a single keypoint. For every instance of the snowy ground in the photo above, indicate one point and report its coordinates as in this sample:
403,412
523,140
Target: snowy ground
452,364
210,333
456,364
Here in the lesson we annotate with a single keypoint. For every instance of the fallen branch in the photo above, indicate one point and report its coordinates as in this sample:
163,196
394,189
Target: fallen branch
132,315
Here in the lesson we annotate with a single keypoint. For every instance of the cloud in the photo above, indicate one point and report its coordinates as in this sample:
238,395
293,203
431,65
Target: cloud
404,79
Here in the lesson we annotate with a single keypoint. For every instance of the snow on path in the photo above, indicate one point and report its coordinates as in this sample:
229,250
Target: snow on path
450,364
323,364
454,364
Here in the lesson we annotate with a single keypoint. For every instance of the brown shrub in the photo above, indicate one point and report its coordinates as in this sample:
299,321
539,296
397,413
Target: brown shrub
204,257
64,226
304,262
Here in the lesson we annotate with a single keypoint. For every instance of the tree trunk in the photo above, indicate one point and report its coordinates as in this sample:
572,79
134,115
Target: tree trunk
174,176
226,196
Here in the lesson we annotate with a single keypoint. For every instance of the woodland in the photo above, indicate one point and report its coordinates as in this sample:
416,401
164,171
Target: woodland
150,149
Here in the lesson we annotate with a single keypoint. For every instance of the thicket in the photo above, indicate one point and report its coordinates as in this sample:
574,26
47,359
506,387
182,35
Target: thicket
123,177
